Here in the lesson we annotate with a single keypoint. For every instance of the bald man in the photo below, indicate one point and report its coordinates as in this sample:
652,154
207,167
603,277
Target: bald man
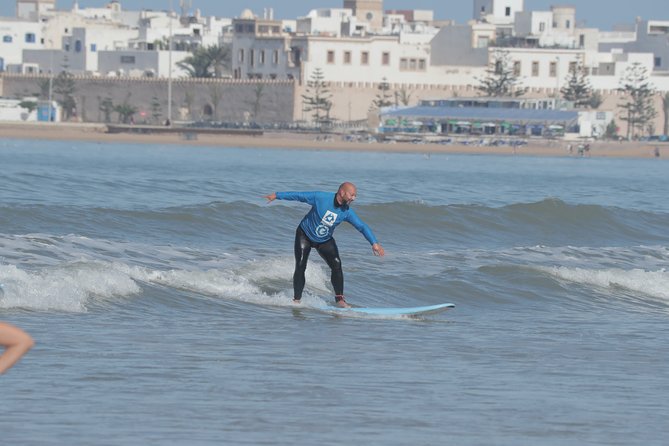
315,230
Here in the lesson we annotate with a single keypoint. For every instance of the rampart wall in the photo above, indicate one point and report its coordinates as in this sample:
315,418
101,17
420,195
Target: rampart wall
192,99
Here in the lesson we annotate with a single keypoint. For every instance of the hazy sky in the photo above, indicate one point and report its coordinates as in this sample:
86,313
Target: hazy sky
603,14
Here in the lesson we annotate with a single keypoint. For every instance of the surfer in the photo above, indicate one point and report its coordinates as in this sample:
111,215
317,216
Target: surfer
315,231
16,342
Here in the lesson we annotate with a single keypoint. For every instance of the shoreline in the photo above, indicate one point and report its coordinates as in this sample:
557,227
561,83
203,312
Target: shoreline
300,141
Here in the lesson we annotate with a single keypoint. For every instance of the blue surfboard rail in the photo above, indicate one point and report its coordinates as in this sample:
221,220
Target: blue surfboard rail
396,311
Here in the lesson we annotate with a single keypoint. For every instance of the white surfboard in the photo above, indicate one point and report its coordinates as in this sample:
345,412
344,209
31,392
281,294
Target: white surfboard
393,311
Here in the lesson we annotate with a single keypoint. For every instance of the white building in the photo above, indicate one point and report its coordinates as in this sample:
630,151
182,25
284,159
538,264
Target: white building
498,12
139,63
651,36
423,16
547,28
79,53
74,39
186,33
17,35
372,58
85,43
326,22
112,12
263,48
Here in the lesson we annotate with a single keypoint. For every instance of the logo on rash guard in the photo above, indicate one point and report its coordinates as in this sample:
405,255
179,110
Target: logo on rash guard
322,230
328,220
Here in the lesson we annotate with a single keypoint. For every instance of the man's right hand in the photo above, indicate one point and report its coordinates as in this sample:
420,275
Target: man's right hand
271,197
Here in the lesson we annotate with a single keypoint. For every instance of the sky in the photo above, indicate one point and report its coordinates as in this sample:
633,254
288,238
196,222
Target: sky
602,14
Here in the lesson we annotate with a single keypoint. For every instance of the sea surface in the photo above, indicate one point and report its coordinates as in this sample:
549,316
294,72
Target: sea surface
156,281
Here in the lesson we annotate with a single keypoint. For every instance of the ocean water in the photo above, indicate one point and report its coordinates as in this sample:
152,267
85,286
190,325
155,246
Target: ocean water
156,282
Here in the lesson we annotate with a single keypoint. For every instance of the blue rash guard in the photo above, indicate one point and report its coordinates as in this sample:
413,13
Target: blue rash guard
325,215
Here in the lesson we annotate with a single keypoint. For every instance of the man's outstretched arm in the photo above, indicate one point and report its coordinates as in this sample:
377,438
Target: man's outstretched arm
305,197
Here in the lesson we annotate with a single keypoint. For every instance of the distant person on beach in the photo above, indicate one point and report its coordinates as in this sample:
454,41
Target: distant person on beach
315,231
16,342
656,152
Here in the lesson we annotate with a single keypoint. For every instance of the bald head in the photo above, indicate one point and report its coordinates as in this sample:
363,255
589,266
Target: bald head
346,193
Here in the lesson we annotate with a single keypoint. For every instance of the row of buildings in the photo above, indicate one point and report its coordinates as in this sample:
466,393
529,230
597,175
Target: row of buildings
356,47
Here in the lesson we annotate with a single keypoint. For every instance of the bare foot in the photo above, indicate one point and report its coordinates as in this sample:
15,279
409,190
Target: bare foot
296,301
342,303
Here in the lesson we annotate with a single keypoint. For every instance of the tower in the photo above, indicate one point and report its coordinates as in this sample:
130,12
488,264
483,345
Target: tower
370,11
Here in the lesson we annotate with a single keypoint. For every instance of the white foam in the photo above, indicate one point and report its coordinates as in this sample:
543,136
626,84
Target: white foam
245,283
63,288
73,286
651,283
67,273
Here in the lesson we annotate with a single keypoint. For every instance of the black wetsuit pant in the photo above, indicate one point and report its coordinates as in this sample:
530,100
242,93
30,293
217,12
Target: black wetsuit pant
328,251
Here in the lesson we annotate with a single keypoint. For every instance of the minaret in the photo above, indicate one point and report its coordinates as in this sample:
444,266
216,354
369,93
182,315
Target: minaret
370,11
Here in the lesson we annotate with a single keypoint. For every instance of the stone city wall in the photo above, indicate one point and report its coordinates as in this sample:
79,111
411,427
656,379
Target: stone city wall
192,99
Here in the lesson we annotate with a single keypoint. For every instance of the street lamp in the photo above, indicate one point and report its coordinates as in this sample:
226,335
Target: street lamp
169,76
50,80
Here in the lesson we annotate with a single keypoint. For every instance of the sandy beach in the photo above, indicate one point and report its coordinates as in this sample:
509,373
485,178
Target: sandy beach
288,140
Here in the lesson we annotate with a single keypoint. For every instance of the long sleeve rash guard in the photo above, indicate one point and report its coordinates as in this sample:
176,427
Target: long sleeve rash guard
325,215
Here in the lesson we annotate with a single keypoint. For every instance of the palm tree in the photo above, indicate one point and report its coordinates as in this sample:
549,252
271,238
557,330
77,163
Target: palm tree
196,65
125,110
207,62
219,57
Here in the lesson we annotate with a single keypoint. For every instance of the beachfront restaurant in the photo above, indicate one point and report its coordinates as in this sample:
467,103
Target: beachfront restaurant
477,121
